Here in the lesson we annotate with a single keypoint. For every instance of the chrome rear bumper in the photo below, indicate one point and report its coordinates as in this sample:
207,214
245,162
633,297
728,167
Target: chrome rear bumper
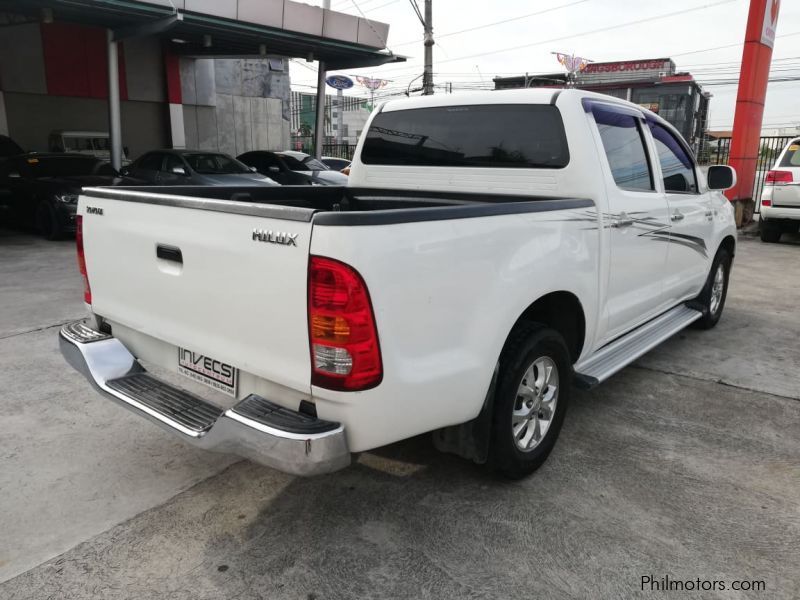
254,428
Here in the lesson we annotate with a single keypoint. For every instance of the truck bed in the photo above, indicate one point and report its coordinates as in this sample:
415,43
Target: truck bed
334,205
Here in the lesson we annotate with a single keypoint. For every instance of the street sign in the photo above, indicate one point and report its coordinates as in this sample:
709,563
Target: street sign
339,82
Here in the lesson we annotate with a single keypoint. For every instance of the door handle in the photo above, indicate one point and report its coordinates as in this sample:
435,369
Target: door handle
677,216
170,253
623,220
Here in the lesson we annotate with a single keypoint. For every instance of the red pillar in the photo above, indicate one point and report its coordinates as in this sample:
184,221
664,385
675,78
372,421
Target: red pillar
756,61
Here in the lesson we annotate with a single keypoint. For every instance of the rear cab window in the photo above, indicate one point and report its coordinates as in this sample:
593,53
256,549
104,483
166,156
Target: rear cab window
493,136
791,157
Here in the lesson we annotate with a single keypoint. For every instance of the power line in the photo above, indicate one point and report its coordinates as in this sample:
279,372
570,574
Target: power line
592,31
418,12
509,20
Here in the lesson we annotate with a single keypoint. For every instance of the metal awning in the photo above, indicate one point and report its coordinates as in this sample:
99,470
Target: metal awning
229,37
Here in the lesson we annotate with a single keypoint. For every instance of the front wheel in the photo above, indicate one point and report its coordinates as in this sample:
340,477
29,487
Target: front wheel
711,300
532,396
47,222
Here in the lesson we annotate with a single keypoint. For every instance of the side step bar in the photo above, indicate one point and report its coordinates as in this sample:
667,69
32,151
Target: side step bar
618,354
255,428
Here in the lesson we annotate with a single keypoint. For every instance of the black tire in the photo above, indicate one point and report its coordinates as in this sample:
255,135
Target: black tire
528,344
769,233
712,311
47,224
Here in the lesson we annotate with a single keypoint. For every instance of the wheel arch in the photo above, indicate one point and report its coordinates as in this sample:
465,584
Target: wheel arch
729,243
562,311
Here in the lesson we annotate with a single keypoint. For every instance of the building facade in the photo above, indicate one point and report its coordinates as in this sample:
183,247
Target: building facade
654,84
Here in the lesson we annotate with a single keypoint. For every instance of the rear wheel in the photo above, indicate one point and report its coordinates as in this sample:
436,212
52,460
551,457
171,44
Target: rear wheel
712,299
532,396
770,234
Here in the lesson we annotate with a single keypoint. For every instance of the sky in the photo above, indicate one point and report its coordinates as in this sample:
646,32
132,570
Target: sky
703,37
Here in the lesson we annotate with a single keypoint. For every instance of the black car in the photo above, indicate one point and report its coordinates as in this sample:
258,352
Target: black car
40,191
292,168
9,147
193,167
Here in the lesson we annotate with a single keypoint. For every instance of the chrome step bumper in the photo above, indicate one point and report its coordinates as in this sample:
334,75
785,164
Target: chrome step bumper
255,428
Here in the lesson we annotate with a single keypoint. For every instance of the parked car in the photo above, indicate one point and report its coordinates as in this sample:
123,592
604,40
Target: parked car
41,190
193,167
91,143
780,200
337,164
292,168
491,250
9,147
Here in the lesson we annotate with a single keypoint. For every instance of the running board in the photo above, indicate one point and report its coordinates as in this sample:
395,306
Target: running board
618,354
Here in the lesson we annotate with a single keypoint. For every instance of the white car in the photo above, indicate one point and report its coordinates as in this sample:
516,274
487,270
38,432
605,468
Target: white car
780,200
491,250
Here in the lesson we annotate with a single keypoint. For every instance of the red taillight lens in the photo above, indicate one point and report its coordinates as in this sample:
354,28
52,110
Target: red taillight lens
345,353
778,177
766,202
87,291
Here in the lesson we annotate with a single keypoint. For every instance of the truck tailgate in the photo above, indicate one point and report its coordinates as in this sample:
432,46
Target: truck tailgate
220,278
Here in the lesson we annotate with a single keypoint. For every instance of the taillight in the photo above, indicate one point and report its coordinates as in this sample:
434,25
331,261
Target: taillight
766,202
345,353
778,177
87,291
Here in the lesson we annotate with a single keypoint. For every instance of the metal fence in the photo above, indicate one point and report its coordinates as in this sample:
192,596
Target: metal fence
339,150
306,144
718,152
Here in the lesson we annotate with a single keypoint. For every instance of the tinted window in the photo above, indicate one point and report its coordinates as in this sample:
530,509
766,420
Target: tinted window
214,164
150,162
624,146
61,166
503,135
172,162
792,156
8,147
677,167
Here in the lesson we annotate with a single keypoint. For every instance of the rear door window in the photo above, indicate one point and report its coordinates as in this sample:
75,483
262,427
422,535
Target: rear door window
151,162
792,156
624,147
496,135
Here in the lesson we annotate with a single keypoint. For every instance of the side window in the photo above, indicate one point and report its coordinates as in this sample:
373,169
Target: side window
625,149
172,162
151,162
677,166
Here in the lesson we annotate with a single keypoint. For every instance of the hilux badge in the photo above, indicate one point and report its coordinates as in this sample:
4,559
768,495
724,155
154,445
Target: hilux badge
275,237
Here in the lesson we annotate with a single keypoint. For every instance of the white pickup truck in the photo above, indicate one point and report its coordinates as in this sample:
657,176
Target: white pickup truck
491,250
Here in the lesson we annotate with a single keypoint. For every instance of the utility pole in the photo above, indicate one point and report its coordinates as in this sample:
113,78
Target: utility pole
319,127
748,119
427,79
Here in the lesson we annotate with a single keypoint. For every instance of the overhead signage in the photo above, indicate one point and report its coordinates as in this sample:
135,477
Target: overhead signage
339,82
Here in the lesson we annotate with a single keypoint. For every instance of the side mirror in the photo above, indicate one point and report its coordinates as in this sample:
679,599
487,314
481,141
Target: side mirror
179,171
721,177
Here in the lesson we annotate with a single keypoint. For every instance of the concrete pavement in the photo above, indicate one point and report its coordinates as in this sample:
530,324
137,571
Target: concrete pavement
686,464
